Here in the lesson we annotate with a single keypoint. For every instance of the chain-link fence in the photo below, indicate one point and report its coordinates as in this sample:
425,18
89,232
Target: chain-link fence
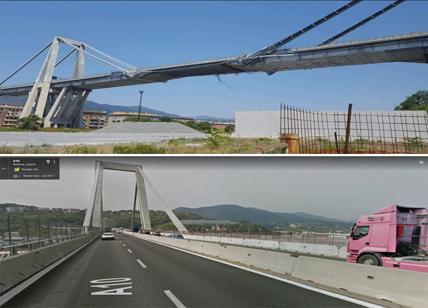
397,132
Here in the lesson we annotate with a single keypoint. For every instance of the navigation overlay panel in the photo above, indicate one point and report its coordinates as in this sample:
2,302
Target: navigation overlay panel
29,168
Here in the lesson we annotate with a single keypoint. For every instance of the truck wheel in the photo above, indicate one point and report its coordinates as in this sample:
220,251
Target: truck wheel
369,259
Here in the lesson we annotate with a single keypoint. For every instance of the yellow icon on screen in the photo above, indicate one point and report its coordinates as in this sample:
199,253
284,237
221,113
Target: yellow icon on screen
17,169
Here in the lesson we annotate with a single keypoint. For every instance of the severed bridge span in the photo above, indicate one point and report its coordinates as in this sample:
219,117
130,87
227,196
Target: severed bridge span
59,102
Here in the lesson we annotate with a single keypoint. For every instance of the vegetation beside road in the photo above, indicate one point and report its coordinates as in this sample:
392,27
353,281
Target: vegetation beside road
215,144
233,218
55,219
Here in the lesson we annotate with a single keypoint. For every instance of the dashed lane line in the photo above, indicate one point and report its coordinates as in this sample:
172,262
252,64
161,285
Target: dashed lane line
174,299
141,263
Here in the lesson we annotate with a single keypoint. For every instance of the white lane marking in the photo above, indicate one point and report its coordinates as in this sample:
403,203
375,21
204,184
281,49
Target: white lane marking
129,250
123,245
297,284
174,299
110,284
141,263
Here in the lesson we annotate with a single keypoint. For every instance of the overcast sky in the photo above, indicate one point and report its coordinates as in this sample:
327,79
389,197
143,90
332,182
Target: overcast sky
335,187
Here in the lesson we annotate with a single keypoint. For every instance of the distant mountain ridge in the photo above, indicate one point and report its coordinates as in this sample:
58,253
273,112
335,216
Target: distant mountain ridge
257,216
94,106
90,105
211,118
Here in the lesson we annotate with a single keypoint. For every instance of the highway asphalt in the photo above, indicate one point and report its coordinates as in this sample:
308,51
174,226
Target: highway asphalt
130,272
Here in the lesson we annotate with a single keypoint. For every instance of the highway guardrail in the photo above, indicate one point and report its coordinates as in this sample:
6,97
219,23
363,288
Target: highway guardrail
17,268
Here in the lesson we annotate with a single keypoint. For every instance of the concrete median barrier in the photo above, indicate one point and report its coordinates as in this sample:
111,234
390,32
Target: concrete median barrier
399,287
306,248
18,268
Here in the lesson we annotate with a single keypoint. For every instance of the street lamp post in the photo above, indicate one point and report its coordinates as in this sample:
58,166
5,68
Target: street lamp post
139,106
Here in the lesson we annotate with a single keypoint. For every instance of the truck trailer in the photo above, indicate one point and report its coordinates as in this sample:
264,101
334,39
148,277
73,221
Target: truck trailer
394,237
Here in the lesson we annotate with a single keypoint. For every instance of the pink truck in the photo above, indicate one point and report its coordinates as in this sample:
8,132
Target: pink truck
394,236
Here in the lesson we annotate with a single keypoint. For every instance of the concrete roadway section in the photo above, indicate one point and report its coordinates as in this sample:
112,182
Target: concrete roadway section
160,277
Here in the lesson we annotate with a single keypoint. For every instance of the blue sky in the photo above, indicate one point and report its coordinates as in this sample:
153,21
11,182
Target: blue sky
156,33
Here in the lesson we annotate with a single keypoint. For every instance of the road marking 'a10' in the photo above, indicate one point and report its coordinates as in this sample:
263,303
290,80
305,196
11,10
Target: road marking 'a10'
112,286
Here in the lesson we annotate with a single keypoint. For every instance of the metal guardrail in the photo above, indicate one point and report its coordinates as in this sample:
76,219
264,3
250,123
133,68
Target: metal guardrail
22,248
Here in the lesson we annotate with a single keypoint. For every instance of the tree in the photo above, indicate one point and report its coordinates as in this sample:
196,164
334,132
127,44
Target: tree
417,101
204,127
32,122
135,119
165,119
229,129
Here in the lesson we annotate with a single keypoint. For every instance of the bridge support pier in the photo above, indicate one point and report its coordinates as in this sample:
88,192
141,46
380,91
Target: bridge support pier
63,109
67,109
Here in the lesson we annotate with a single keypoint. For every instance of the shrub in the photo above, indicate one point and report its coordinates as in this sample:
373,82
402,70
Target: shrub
31,122
80,149
137,148
216,139
5,150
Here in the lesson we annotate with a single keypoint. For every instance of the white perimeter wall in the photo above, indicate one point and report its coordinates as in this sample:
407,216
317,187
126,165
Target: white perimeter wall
266,124
257,124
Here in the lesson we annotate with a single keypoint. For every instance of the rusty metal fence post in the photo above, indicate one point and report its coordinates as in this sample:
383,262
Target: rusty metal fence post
348,130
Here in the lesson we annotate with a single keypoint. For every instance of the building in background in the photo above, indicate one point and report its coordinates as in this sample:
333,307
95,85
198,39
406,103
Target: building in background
95,119
9,115
15,209
223,126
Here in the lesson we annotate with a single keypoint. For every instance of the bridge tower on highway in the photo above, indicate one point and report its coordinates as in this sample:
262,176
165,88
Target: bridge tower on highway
94,213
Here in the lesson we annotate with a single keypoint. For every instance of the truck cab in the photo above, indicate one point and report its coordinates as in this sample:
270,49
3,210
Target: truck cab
393,231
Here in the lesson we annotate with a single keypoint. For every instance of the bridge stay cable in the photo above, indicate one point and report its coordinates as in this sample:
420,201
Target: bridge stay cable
362,22
65,57
111,61
26,63
271,48
178,224
118,61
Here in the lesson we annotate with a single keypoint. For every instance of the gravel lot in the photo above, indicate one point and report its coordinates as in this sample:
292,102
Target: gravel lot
115,133
148,128
19,139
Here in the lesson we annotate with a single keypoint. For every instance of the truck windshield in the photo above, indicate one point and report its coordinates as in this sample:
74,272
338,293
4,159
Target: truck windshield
360,231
